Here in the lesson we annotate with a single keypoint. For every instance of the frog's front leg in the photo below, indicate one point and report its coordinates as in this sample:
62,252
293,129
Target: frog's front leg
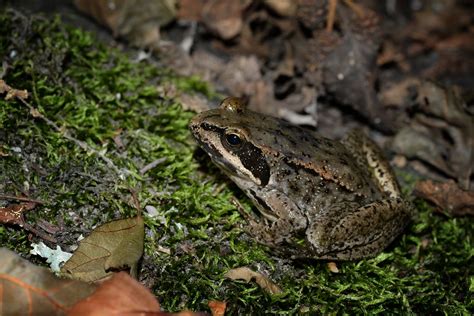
280,221
347,232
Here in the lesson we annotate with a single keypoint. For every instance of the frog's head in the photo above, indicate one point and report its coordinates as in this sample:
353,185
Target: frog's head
224,136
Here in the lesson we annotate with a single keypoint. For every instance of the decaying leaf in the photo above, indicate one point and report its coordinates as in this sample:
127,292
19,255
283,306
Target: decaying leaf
26,289
349,71
447,196
138,21
13,214
440,132
112,246
223,17
282,7
12,92
246,274
332,266
217,308
119,295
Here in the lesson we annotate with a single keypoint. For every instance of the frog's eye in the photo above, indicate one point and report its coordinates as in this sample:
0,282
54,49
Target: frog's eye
233,139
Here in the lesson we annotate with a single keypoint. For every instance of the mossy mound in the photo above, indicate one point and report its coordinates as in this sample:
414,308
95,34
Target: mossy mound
109,103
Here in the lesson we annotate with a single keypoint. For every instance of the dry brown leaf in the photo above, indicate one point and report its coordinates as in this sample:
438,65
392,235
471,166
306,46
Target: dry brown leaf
440,132
217,308
30,290
13,214
246,274
282,7
112,246
12,92
119,295
190,10
138,21
332,266
446,196
349,71
224,17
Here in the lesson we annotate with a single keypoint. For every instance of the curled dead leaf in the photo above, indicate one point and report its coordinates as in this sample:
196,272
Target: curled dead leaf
138,21
217,308
13,214
12,92
446,196
246,274
440,133
332,266
224,17
119,295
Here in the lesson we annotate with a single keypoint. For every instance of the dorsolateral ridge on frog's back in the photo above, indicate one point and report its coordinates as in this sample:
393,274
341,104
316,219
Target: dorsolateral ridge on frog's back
340,198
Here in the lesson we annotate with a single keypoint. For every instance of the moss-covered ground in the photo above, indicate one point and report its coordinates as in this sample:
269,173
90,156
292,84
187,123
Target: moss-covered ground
111,102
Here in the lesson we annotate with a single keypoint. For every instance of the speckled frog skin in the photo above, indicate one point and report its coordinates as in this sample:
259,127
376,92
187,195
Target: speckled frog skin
317,198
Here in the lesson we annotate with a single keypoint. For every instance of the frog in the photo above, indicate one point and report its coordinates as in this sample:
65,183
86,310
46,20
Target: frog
315,197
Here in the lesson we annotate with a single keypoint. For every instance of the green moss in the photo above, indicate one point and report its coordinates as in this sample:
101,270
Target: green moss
101,97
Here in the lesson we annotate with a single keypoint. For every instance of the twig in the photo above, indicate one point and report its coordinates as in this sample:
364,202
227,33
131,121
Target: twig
19,198
331,15
152,165
357,8
39,233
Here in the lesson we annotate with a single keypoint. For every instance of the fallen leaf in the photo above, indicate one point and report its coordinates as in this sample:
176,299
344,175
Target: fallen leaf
217,308
30,290
446,196
13,214
190,10
440,132
349,71
244,273
12,92
332,266
224,17
111,246
138,21
119,295
282,7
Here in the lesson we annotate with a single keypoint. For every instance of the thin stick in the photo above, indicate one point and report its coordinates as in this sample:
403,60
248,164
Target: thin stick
19,198
331,15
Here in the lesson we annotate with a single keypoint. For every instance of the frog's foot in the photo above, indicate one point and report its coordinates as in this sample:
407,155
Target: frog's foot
272,234
248,217
254,228
356,233
367,153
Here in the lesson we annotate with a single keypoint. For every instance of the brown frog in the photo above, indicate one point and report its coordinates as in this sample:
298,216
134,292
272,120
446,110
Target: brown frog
318,197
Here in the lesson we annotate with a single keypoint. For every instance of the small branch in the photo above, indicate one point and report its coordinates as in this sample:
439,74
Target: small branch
332,5
19,198
39,233
357,8
152,165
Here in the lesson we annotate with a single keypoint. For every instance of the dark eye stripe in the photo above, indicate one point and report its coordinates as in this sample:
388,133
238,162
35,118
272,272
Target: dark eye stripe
253,159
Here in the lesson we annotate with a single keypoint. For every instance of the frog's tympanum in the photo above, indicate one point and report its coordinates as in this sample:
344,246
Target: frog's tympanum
317,198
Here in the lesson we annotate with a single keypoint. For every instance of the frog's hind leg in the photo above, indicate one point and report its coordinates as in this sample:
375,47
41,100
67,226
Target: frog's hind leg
348,232
368,154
